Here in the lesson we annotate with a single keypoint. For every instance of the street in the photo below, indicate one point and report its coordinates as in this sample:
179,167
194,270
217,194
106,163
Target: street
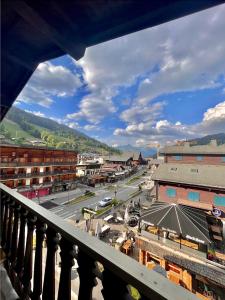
57,203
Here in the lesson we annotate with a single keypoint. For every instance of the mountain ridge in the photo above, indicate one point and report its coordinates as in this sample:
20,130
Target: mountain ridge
24,128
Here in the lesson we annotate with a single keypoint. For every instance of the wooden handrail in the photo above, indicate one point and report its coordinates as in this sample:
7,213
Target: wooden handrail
150,284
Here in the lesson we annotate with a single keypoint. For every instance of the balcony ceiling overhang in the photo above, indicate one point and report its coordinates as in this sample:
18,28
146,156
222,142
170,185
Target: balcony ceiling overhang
36,31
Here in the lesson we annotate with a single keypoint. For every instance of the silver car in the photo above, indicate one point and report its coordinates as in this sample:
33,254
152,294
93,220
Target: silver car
106,201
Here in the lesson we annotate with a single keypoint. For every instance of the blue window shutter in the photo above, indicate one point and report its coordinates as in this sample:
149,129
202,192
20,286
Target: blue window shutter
171,192
177,157
199,157
193,196
219,200
223,159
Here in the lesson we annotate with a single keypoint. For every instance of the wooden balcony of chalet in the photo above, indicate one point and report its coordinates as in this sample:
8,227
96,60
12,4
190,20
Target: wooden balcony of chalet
32,278
35,174
37,164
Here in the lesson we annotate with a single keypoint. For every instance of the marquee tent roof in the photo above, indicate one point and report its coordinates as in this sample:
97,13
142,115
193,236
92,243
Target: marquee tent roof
186,221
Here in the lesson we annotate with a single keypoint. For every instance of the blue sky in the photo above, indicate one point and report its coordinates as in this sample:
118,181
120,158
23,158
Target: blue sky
151,87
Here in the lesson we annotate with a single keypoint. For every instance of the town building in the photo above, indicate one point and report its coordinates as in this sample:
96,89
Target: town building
88,167
211,154
185,267
191,184
35,172
195,176
123,159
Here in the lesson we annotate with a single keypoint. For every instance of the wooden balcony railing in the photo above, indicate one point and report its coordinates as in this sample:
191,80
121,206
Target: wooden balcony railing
35,174
36,164
20,217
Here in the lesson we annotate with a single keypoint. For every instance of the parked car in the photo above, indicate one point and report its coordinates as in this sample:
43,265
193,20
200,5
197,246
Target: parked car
104,202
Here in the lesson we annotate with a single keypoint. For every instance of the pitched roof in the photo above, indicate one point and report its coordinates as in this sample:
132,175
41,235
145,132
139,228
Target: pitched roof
200,149
123,157
201,175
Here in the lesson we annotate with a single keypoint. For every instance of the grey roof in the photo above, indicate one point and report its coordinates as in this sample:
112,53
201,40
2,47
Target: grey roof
156,162
123,157
201,149
202,175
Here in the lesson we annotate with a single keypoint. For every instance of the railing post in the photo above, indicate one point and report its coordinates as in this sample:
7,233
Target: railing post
114,287
87,277
9,229
67,261
40,233
49,279
28,259
5,221
14,245
21,246
3,200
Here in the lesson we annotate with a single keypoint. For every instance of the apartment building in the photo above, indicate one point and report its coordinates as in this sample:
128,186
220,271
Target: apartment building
192,175
195,176
36,171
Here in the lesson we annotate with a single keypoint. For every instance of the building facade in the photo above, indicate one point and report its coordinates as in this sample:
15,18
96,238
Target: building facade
195,176
36,171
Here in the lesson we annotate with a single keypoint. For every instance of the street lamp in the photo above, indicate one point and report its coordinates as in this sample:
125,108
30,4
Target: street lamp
115,192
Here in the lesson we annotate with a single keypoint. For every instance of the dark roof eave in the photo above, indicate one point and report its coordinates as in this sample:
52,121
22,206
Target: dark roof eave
189,184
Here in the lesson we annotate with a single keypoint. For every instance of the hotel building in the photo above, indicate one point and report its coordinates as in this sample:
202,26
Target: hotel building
35,172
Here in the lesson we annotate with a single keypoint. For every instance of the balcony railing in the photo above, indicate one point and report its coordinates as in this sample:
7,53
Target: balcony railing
35,174
34,164
20,217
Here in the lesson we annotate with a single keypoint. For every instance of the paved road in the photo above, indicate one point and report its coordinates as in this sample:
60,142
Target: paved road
74,210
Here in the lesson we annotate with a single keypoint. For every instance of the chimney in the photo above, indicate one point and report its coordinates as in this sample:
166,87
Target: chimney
213,143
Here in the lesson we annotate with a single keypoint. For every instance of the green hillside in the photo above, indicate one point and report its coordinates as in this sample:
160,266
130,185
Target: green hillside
25,128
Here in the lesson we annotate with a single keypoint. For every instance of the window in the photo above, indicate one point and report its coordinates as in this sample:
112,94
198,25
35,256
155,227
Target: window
171,193
177,157
194,170
223,159
193,196
219,200
173,169
199,157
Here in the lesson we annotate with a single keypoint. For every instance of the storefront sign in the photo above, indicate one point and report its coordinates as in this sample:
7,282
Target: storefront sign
87,216
194,239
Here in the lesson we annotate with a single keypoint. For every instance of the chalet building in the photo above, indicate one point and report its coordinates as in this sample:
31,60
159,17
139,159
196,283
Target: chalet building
195,176
201,186
211,154
124,159
36,171
183,267
89,167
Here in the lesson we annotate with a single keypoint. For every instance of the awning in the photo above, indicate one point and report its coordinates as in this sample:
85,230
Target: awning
186,221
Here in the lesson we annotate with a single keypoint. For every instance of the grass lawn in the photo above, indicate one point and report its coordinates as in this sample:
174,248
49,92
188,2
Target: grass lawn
133,179
112,187
115,202
134,194
81,198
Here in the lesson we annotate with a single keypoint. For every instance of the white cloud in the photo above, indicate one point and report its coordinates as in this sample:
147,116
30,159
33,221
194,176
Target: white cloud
115,145
213,121
73,125
186,54
48,81
138,113
89,127
217,112
36,113
93,109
